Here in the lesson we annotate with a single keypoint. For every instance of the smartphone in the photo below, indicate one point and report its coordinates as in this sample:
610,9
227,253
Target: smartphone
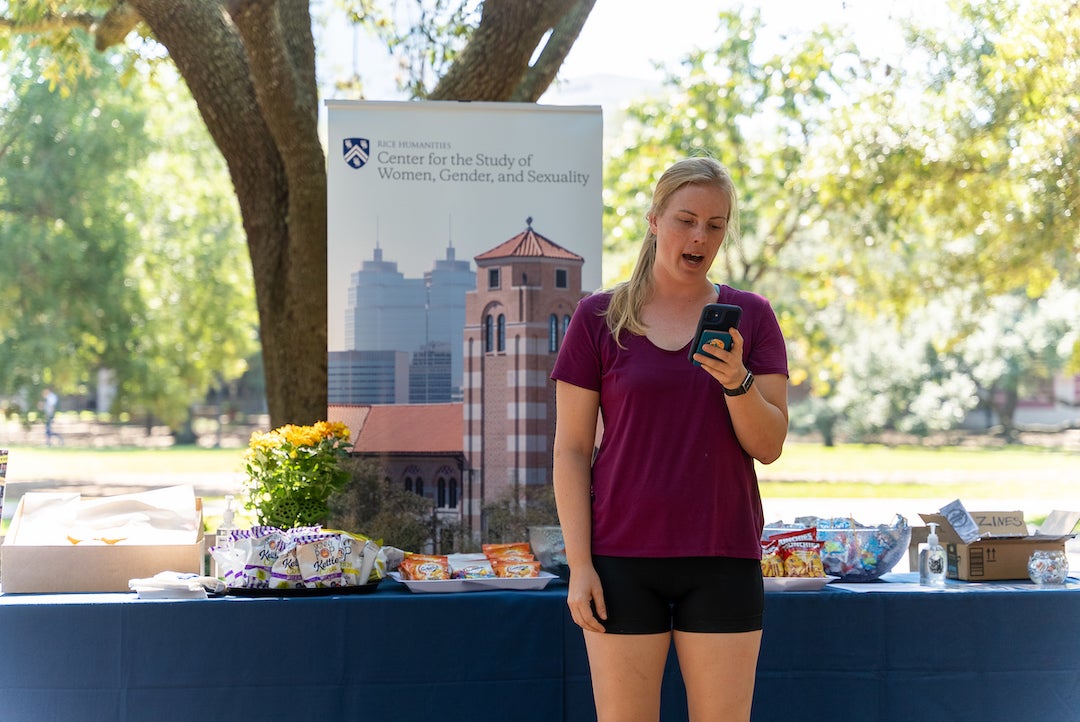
717,319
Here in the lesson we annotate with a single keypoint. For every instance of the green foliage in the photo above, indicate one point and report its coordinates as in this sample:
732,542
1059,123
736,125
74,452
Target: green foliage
927,372
198,320
424,35
292,472
107,264
64,228
966,159
764,116
60,28
880,202
379,509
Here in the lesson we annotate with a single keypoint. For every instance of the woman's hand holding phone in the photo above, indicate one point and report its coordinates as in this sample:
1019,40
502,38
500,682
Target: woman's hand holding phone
715,324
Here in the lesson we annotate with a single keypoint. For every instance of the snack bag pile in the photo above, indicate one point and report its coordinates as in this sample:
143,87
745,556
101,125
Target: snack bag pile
795,553
855,552
265,557
496,560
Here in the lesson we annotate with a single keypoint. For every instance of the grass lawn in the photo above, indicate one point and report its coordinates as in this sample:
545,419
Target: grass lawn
876,471
810,457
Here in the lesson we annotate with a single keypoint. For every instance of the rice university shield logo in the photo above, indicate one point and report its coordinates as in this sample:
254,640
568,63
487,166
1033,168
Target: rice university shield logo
355,151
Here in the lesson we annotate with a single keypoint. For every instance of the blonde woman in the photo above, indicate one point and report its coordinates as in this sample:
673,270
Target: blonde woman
663,526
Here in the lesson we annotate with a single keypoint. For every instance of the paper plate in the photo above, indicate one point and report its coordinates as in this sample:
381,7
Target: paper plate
796,584
475,585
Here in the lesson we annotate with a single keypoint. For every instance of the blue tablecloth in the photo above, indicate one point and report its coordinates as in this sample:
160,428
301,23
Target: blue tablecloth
883,652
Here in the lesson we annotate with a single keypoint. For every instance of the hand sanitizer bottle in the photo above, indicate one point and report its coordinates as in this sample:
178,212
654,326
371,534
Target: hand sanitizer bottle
932,561
223,539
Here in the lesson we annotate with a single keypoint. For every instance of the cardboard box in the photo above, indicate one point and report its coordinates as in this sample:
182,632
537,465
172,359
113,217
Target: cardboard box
81,568
1003,547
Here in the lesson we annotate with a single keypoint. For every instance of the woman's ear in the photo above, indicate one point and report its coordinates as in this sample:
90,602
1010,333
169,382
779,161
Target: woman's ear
651,218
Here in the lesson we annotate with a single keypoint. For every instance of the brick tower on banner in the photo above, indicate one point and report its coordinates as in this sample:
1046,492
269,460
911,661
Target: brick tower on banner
526,290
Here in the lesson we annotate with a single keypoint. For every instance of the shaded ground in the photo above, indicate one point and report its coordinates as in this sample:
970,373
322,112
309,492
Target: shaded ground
82,432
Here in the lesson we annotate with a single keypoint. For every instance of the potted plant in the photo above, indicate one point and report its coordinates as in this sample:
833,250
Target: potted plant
293,470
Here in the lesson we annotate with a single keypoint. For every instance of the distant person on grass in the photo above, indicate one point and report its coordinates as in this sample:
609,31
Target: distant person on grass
49,402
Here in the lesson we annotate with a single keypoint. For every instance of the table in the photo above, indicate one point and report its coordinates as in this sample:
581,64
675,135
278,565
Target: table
893,651
887,651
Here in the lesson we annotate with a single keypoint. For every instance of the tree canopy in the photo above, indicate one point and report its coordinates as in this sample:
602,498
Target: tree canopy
895,215
250,66
878,202
109,267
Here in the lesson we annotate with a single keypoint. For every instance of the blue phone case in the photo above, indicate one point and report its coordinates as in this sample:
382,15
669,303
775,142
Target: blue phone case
708,336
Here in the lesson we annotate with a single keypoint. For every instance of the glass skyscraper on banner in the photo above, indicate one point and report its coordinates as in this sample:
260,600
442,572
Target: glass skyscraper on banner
423,318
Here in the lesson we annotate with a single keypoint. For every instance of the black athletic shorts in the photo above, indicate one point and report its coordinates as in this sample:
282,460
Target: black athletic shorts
690,594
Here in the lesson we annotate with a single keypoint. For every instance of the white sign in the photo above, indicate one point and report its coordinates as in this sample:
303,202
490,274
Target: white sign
409,180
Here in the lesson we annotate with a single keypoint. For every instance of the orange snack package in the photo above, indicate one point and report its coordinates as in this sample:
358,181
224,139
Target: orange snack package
514,568
491,550
425,567
512,557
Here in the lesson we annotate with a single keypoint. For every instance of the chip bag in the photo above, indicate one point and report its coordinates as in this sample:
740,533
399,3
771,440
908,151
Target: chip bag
771,563
800,551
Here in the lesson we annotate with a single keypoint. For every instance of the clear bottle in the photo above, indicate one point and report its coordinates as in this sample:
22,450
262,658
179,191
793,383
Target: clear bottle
932,560
223,540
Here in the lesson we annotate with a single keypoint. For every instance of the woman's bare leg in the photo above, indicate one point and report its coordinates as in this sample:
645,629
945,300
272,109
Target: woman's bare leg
719,672
627,671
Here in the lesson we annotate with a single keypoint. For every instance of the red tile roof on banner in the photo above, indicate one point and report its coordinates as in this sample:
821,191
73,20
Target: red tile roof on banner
528,244
403,428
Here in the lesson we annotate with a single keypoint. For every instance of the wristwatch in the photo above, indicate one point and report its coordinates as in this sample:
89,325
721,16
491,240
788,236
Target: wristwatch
741,388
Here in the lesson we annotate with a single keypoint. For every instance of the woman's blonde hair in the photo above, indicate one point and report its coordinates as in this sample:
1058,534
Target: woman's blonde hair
628,297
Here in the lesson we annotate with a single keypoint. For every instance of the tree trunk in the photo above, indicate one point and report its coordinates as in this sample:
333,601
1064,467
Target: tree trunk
277,167
1007,412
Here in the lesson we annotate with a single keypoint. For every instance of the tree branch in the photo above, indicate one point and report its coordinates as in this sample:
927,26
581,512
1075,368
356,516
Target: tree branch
115,25
499,50
283,72
10,141
49,22
541,75
296,19
108,30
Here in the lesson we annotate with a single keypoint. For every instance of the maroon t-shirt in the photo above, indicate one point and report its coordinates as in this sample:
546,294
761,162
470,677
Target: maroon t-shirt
670,478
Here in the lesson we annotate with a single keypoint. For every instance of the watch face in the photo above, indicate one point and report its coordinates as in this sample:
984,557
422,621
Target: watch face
743,387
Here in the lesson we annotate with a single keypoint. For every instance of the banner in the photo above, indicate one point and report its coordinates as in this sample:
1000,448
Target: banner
416,191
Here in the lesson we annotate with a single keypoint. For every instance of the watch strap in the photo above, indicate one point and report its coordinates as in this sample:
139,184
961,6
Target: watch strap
741,388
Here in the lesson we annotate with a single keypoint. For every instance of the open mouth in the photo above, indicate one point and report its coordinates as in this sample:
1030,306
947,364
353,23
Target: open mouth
693,259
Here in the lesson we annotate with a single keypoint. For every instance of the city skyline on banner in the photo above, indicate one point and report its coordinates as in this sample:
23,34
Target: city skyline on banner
404,335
